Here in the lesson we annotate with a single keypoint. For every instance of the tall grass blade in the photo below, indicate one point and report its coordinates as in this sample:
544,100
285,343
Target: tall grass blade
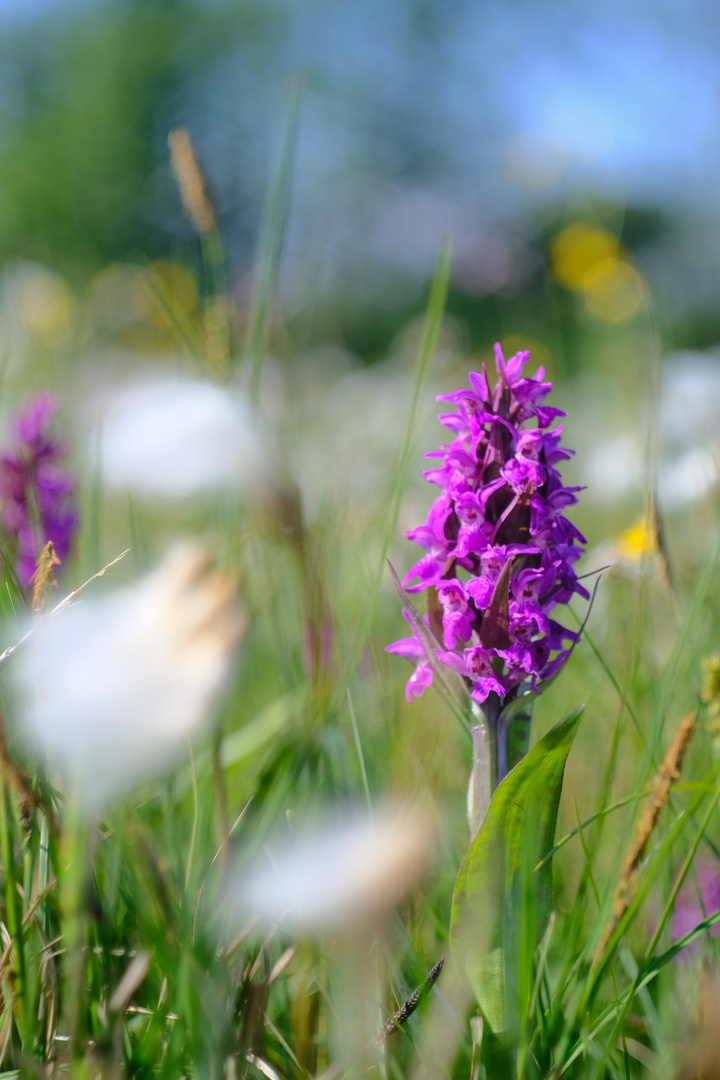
270,244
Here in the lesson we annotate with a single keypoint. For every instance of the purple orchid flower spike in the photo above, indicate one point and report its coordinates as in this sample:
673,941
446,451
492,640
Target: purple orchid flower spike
36,496
499,553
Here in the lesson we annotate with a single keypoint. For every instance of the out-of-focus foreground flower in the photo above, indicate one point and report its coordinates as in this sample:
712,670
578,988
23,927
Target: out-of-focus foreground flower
336,875
112,689
181,437
344,875
37,504
499,550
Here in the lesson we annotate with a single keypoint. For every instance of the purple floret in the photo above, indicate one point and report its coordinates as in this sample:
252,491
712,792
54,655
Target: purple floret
502,501
412,648
36,496
691,909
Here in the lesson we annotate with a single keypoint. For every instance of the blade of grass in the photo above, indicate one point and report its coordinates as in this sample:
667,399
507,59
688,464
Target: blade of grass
588,821
642,892
428,344
270,243
644,978
13,905
608,671
651,756
361,756
196,815
667,910
632,971
682,648
399,472
644,881
589,982
181,326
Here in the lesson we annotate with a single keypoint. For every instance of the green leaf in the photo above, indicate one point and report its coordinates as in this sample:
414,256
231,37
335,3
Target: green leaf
503,896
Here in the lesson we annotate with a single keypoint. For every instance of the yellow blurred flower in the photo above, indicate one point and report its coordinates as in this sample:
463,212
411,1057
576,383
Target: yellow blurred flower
112,295
639,546
576,250
613,291
588,260
46,307
637,542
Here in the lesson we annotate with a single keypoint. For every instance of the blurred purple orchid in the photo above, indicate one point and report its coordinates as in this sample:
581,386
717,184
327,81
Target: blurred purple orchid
36,503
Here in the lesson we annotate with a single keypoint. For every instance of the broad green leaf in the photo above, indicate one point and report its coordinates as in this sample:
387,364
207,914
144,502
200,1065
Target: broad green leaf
502,897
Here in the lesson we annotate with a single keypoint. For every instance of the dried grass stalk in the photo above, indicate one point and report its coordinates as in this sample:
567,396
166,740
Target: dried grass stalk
190,180
8,653
44,577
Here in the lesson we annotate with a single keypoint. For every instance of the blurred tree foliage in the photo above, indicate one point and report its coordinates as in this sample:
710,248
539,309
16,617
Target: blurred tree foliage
86,105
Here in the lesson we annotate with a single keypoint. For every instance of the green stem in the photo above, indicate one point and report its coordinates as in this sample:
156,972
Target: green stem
480,784
270,245
217,304
43,874
491,710
14,905
73,857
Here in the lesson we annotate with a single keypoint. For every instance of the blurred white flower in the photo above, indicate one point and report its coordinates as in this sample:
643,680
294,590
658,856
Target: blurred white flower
357,413
180,437
111,690
335,876
688,452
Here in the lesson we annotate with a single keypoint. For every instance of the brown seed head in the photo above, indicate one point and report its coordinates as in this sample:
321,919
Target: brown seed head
190,180
44,577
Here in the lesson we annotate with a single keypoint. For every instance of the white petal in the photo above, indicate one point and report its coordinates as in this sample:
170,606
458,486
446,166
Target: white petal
112,689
